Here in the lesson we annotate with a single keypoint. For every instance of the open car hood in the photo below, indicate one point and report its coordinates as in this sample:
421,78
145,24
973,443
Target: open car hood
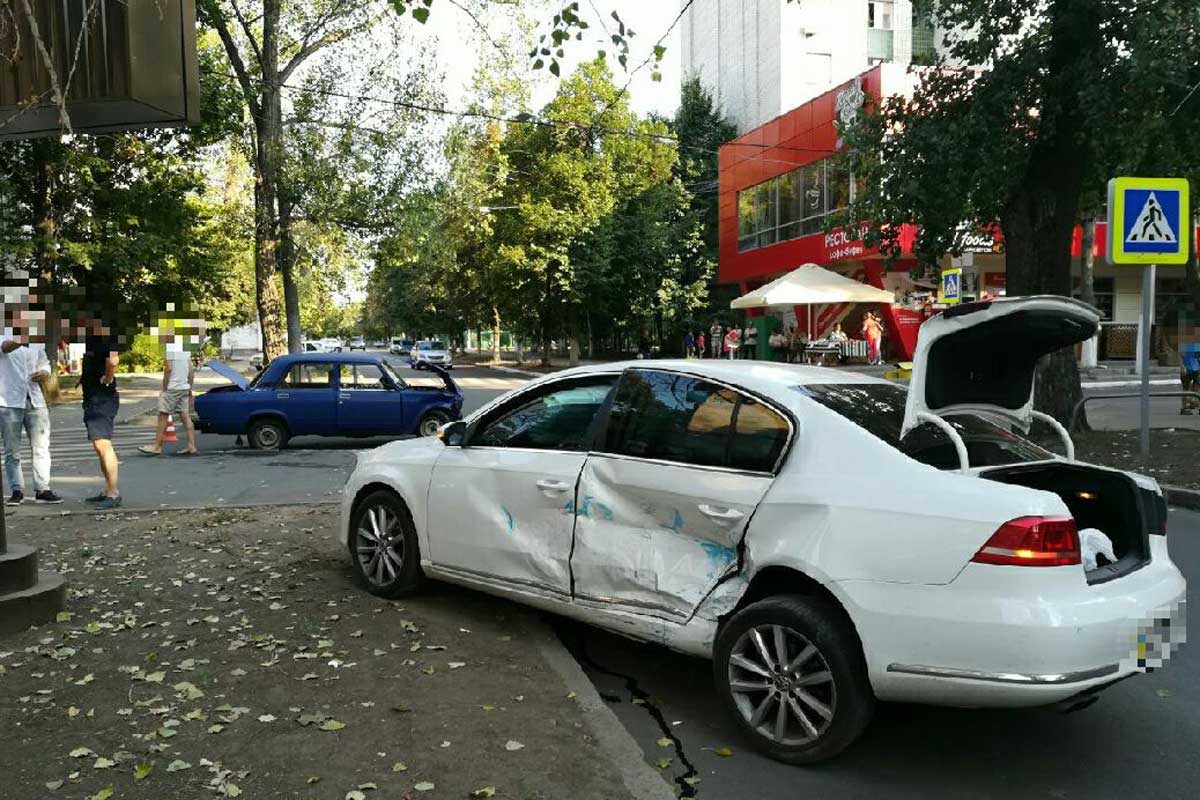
980,357
226,371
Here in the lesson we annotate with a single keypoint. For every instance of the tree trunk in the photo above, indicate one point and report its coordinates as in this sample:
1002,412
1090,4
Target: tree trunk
495,335
269,127
287,263
1039,217
591,347
1087,275
46,255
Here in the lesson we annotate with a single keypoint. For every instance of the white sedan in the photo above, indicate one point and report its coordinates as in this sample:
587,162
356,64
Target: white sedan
826,538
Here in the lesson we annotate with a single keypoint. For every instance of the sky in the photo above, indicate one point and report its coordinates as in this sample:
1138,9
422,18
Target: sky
649,19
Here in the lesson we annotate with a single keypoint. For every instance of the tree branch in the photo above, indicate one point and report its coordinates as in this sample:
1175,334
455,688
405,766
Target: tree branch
248,30
309,48
235,59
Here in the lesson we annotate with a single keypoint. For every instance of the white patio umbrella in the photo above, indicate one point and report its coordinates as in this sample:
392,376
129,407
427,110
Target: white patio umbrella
810,285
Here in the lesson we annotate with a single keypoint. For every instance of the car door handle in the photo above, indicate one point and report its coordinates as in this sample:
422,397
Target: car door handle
553,486
720,514
282,395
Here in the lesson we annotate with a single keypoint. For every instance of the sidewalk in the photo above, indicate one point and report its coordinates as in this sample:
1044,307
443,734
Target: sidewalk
230,651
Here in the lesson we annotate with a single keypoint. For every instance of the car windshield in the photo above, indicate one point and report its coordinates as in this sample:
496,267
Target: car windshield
425,346
879,408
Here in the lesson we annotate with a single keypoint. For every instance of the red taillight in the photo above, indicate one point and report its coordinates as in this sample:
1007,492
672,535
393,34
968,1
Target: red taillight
1032,542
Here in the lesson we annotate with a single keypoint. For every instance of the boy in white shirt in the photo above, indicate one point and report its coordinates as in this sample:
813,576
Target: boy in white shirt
175,398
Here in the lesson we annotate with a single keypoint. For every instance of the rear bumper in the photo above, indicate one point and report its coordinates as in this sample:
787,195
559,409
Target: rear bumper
1001,636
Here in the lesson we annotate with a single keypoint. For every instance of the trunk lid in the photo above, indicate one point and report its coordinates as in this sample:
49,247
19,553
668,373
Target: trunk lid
226,371
980,357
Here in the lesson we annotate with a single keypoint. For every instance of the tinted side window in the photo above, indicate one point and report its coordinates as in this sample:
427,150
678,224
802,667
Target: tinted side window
671,417
559,419
307,376
759,437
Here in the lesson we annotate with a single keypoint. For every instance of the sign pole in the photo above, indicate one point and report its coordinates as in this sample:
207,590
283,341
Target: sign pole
1144,348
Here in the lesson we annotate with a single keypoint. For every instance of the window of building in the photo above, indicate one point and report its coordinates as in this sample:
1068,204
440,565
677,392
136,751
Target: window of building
790,205
879,14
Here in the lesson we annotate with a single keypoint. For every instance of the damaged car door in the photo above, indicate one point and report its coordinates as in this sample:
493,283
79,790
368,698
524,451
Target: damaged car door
502,505
665,497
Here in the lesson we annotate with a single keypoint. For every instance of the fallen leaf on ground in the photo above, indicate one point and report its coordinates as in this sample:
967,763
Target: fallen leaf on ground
142,770
232,790
81,752
332,725
663,763
103,763
724,752
664,742
424,786
355,794
313,779
178,765
513,744
54,785
266,718
691,780
103,794
486,791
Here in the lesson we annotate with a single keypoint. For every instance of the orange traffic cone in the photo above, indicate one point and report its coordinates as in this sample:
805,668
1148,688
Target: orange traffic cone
169,433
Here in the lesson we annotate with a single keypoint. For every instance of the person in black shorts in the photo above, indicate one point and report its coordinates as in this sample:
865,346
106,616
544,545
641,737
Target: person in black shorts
100,404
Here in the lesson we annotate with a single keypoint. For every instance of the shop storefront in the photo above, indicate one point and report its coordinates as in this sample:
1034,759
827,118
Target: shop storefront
779,184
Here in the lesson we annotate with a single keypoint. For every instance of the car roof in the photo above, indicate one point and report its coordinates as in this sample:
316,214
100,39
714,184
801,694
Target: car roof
356,358
762,376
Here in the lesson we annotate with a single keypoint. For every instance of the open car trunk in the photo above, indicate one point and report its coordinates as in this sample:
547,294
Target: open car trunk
1111,502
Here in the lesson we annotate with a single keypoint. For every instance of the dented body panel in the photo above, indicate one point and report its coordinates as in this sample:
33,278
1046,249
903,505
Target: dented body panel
660,536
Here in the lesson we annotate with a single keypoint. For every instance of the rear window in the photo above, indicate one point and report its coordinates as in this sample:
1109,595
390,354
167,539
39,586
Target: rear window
879,408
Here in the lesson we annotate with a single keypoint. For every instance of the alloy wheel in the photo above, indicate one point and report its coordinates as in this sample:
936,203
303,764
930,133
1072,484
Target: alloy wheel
379,545
782,685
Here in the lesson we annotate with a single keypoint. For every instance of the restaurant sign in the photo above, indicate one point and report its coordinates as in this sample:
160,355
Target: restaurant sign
969,239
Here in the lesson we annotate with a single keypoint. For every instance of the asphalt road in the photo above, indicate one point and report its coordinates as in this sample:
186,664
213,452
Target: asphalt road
1139,740
310,469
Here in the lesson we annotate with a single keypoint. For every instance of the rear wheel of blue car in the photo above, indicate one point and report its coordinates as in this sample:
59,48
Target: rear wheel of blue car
268,434
432,422
383,544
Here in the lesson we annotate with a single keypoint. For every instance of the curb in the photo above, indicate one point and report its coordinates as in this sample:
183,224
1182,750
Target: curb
123,509
1182,498
617,744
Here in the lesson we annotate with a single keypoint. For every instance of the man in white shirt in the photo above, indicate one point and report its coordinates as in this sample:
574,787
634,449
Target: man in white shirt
175,398
23,368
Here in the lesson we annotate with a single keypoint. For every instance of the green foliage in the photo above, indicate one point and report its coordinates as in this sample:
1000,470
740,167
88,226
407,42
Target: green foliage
146,354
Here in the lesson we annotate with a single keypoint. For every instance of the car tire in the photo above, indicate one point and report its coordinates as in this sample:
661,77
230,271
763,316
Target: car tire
432,422
826,698
268,434
389,567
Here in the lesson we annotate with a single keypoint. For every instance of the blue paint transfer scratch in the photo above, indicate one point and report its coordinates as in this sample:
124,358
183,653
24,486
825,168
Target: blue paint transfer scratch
676,523
508,520
719,556
589,503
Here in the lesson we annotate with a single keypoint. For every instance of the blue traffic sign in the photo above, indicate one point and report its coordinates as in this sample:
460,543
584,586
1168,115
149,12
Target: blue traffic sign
1148,221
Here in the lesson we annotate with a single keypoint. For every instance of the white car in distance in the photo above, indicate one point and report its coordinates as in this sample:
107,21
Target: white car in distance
431,352
827,539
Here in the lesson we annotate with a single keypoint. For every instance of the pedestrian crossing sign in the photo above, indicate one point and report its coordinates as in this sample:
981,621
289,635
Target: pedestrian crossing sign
951,287
1148,221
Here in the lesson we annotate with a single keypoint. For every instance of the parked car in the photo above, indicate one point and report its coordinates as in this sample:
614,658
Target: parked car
324,395
357,343
378,343
401,347
430,352
827,539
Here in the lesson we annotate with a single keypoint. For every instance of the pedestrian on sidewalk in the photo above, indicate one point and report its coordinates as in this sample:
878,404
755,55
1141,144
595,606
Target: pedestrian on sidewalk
23,368
714,338
1189,375
700,345
689,345
176,396
101,401
732,340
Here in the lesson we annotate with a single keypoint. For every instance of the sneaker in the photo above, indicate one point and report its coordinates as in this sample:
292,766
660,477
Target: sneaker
109,502
47,496
100,498
17,498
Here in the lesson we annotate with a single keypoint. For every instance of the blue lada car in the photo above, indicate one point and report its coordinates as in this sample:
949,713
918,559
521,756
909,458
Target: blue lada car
325,394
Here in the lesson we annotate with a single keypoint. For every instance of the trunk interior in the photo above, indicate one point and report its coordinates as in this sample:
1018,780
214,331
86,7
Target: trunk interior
1109,501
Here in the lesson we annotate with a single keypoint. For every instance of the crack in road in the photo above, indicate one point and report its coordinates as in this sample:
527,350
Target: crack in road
576,645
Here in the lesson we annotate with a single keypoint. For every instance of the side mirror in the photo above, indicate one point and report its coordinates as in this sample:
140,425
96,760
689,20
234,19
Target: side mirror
453,434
